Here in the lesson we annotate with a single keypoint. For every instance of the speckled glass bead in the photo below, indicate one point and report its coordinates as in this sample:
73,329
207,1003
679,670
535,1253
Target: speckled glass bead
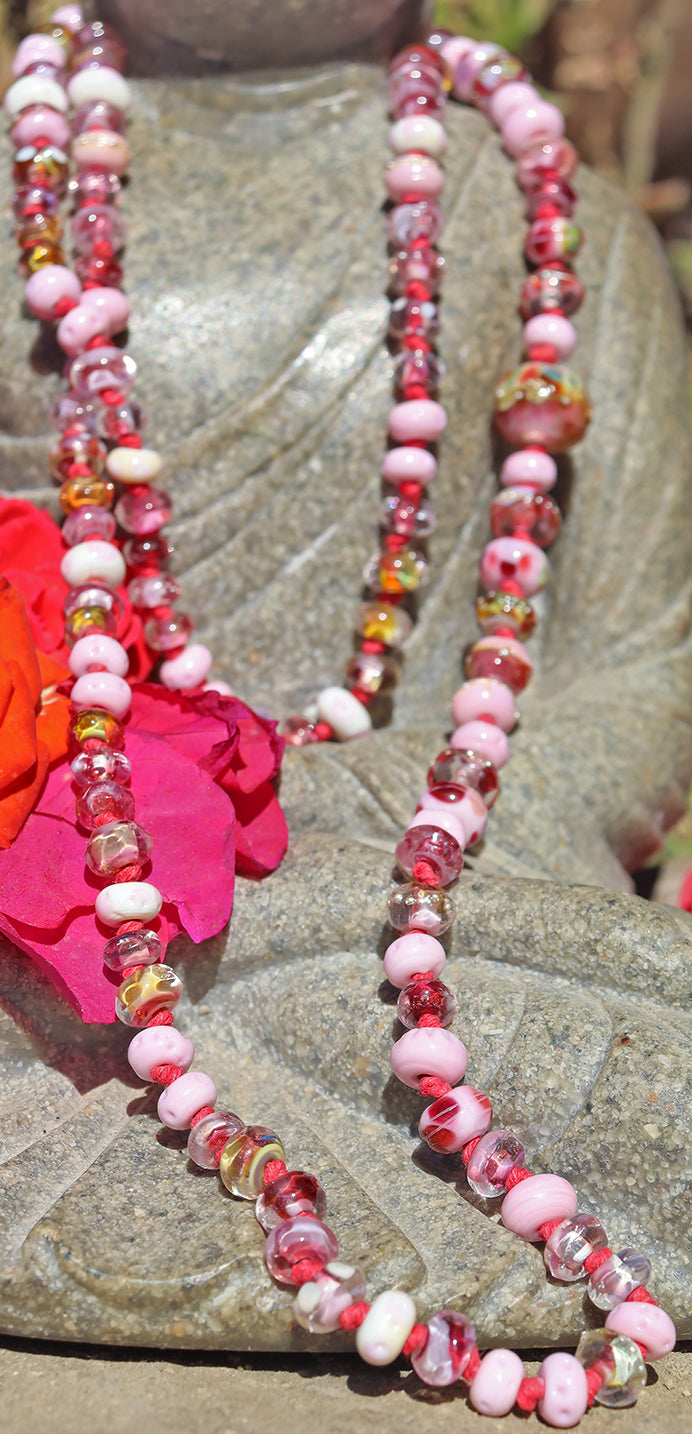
646,1324
90,767
550,288
400,572
552,238
115,845
293,1193
453,1119
404,516
419,266
104,797
413,316
542,403
132,948
94,726
143,512
209,1136
495,1155
418,908
165,634
499,609
301,1237
419,367
615,1279
320,1302
570,1244
375,672
383,623
619,1362
466,769
244,1157
431,843
146,991
426,998
515,511
501,657
451,1342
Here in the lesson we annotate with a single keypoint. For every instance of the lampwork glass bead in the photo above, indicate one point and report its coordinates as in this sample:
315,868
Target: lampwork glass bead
143,513
426,998
453,1119
104,796
293,1193
421,266
298,731
495,1155
375,672
516,511
495,610
165,634
615,1279
420,219
70,410
87,620
301,1237
379,621
450,1345
546,158
410,519
90,767
418,97
619,1362
94,726
122,418
83,448
146,991
209,1136
432,844
418,908
132,948
419,367
115,845
148,552
154,590
92,269
413,316
502,70
97,114
92,594
244,1157
98,222
466,769
542,403
35,198
556,193
86,491
550,288
321,1301
101,369
94,186
551,238
501,657
45,166
38,228
87,522
88,55
39,257
400,572
569,1245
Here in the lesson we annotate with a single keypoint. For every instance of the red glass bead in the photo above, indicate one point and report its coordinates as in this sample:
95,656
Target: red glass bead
551,287
552,238
499,657
522,512
555,193
293,1193
465,769
151,553
426,998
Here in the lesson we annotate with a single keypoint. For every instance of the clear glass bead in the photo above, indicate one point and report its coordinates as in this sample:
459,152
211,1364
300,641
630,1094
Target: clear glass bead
143,513
97,114
419,367
87,620
93,595
155,590
492,1160
465,769
94,186
104,797
413,316
450,1345
419,908
107,765
375,672
410,519
244,1157
521,512
421,266
426,998
165,634
146,991
298,731
490,657
83,448
300,1238
320,1302
117,844
550,288
383,623
209,1136
70,409
148,552
420,219
32,198
94,725
570,1244
88,522
615,1279
619,1362
132,948
98,222
293,1193
123,418
102,369
432,844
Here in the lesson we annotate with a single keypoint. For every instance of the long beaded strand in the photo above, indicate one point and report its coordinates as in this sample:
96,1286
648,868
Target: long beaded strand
300,1249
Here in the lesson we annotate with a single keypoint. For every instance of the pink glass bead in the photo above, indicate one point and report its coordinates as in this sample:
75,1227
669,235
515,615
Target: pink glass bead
102,368
546,159
406,465
90,767
523,511
413,174
502,657
555,195
150,552
417,96
69,17
485,697
426,998
188,670
497,74
485,738
529,465
106,797
517,559
528,1205
298,731
526,124
159,1046
181,1100
552,329
417,418
374,672
468,807
467,769
35,49
106,51
116,845
154,590
417,366
456,1118
428,1051
495,1155
321,1301
617,1277
85,523
97,269
107,150
165,634
564,1399
209,1136
98,114
300,1238
645,1324
450,1345
419,219
111,306
550,288
70,410
101,650
95,222
133,948
494,1388
30,199
569,1245
94,186
40,122
72,448
517,92
552,238
469,66
437,841
413,316
410,954
414,907
294,1193
410,519
416,265
143,513
102,689
50,286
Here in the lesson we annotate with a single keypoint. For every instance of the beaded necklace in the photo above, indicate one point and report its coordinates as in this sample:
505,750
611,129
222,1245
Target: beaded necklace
541,409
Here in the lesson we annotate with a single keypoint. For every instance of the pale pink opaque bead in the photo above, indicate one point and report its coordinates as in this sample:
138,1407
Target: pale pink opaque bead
70,17
417,418
47,287
447,820
223,688
184,1097
516,558
101,149
97,648
494,1388
189,669
529,465
418,132
429,1051
507,97
454,49
37,49
483,697
76,330
40,122
469,65
566,1391
102,689
112,306
647,1324
525,123
413,174
411,953
471,813
403,464
552,329
484,738
533,1201
159,1046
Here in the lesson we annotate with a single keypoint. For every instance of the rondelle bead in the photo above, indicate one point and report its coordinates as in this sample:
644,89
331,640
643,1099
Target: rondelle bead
105,797
410,954
293,1193
116,845
467,805
548,289
321,1301
564,1399
386,1327
523,511
529,465
102,689
428,1051
374,672
188,669
495,1155
184,1097
517,559
40,123
48,287
105,765
87,490
159,1046
450,1345
404,464
456,1118
618,1361
90,560
244,1157
542,403
301,1237
482,698
439,841
417,366
143,512
399,572
407,517
93,594
494,1388
35,90
646,1324
417,132
409,317
419,265
102,83
418,908
569,1245
113,309
156,590
501,657
69,17
134,465
101,149
346,716
501,610
165,634
419,219
417,418
209,1136
528,1205
546,158
132,948
552,329
526,124
426,998
381,622
76,330
471,64
486,738
37,49
552,239
508,97
128,901
145,992
617,1277
102,368
466,769
98,649
147,552
413,174
94,727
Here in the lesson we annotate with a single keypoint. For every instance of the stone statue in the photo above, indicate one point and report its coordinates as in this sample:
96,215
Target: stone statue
255,268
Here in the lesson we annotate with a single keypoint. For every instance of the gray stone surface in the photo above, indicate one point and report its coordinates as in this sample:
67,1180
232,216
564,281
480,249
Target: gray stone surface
255,272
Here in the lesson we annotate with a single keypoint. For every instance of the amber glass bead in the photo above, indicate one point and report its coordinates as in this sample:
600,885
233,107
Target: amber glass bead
494,610
39,229
87,489
34,259
146,991
83,448
244,1158
375,672
379,621
85,620
47,167
93,725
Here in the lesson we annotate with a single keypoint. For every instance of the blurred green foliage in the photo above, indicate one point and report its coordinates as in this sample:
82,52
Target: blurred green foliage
508,22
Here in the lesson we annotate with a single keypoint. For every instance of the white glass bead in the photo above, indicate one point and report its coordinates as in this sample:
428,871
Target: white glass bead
93,559
345,714
102,83
386,1327
128,901
35,90
134,465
